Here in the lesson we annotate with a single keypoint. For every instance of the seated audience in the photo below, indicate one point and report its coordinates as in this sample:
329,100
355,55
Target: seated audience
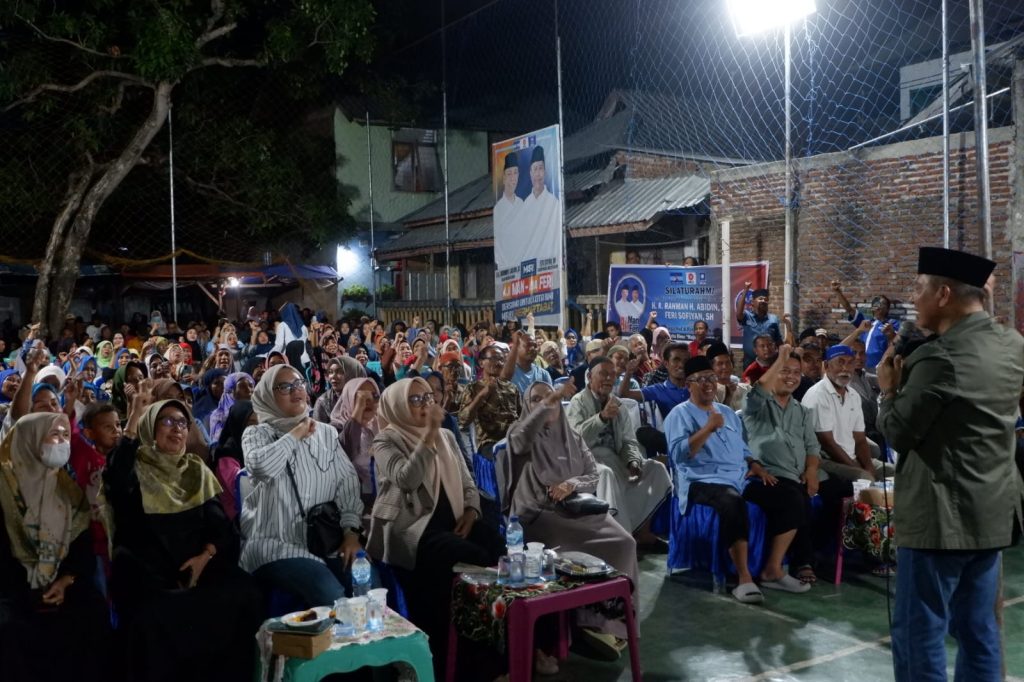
339,371
425,516
490,404
731,391
237,386
764,356
295,463
355,418
186,610
632,484
54,624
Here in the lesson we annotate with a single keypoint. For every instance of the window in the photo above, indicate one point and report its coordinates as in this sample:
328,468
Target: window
414,160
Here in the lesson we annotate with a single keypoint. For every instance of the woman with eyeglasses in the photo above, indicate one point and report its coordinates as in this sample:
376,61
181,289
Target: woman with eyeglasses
186,610
340,371
355,418
425,518
296,463
47,593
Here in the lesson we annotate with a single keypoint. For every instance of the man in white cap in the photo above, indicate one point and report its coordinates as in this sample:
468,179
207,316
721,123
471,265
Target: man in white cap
949,408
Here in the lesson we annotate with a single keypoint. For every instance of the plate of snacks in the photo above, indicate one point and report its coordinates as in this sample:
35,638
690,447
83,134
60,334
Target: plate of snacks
310,619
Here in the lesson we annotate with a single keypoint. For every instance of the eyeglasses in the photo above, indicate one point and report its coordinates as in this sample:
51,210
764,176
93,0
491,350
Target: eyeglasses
422,399
707,379
288,389
173,423
375,397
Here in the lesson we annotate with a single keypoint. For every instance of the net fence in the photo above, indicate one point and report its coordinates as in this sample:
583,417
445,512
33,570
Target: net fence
669,77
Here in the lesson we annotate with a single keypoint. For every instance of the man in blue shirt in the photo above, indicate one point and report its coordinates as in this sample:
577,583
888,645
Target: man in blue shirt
712,464
667,394
756,322
520,368
876,333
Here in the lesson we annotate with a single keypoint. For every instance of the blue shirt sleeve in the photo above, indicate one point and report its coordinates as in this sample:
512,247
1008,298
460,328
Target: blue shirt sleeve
857,319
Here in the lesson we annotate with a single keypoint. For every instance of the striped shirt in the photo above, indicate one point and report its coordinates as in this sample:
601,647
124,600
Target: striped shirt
272,524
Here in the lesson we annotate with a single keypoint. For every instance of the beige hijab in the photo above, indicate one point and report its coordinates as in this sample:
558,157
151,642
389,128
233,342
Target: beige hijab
44,511
445,468
170,482
265,406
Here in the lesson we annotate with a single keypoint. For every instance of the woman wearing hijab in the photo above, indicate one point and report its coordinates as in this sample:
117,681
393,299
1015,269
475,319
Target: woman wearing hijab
105,354
126,381
355,418
47,591
237,386
661,338
187,610
288,452
10,380
340,370
168,389
545,462
425,516
289,330
209,398
240,416
572,349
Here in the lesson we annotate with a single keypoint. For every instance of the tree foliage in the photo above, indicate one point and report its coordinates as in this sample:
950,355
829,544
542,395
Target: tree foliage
84,90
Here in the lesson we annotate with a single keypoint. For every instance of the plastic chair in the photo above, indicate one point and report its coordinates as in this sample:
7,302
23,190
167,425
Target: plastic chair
693,541
412,649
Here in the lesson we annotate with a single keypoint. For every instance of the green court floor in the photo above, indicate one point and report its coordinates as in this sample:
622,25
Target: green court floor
830,634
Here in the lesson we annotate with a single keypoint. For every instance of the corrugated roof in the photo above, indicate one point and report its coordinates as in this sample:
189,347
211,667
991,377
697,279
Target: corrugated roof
633,200
474,196
462,232
638,199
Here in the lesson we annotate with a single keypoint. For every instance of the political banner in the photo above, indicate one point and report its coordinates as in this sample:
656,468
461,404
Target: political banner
678,296
528,239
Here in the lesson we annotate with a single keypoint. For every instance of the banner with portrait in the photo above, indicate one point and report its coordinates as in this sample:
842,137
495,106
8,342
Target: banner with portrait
678,296
528,240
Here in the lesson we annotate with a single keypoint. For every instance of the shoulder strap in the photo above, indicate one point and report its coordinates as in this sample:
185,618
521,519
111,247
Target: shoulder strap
295,488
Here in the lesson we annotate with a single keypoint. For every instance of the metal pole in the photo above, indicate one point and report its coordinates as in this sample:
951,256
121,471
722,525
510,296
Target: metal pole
945,126
373,248
787,292
563,312
444,114
727,302
981,126
174,247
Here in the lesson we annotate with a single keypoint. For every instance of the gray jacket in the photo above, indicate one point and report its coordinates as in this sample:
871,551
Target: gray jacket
404,502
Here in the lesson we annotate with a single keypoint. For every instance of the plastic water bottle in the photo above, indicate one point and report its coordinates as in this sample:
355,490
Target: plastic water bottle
514,536
360,575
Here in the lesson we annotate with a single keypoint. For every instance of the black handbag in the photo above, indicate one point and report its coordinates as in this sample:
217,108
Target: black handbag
324,533
582,504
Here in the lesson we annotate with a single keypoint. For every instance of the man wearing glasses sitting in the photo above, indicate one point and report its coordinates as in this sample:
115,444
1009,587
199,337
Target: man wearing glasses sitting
491,404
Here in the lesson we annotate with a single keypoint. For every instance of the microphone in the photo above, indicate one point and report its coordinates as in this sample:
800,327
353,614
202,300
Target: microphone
908,339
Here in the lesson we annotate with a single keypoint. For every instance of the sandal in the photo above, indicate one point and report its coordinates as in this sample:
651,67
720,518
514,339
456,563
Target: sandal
805,574
748,593
786,583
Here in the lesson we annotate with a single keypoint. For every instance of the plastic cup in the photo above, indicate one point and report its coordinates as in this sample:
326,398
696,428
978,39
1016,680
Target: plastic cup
504,570
357,610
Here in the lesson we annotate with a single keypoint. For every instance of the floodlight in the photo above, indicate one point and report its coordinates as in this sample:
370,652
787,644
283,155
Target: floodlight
233,282
348,261
758,16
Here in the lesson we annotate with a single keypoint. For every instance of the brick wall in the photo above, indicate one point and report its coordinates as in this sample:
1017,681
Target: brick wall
862,217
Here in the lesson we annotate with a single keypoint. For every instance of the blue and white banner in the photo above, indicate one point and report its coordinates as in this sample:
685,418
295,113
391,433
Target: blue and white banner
675,297
528,240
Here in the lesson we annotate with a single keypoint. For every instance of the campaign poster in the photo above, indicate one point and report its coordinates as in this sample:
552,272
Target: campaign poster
678,296
528,239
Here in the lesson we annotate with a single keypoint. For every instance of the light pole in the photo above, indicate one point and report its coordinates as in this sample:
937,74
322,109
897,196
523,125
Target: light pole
757,16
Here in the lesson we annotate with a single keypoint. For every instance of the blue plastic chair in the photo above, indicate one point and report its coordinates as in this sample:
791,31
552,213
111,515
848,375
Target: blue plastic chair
693,541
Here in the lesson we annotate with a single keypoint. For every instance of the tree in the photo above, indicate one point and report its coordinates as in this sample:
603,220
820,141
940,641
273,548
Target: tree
98,82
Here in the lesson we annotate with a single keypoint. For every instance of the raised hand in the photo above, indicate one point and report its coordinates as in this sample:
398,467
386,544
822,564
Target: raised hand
747,285
611,409
837,286
142,396
36,359
716,421
304,429
785,350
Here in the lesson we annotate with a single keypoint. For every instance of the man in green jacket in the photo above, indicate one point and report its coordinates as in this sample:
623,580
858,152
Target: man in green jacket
948,409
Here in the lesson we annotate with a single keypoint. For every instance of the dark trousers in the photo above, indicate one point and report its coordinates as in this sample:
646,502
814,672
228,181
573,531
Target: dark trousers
786,507
733,523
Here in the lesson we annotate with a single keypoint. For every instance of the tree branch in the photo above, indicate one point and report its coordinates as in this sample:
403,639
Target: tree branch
216,14
213,34
230,62
57,87
66,41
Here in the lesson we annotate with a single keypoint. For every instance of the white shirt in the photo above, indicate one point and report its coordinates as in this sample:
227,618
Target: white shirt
625,309
506,220
539,236
283,336
834,413
271,521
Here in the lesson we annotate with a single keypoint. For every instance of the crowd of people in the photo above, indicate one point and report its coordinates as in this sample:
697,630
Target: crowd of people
123,539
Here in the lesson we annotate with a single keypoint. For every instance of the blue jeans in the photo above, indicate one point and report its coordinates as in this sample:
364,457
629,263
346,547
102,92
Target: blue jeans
315,583
946,591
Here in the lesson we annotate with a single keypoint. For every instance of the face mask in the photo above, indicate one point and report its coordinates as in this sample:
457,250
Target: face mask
55,455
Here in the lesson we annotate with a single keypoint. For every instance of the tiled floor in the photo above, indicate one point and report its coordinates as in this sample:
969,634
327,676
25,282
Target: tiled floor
831,634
